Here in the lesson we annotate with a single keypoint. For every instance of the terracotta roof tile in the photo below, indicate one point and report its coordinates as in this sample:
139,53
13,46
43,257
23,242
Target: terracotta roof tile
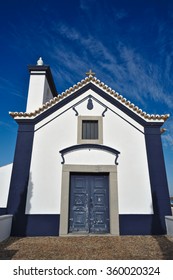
104,87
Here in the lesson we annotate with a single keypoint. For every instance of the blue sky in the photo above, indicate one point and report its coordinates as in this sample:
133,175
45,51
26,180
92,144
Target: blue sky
128,44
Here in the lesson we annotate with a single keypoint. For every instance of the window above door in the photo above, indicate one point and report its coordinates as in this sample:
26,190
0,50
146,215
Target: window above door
90,130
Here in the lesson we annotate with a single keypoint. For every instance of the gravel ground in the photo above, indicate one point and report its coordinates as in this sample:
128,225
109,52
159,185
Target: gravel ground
88,248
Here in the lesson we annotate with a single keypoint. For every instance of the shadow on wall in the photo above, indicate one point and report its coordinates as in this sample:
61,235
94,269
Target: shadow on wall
31,224
29,195
158,224
20,219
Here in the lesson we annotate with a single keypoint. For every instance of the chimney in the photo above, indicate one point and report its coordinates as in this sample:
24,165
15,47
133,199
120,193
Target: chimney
41,86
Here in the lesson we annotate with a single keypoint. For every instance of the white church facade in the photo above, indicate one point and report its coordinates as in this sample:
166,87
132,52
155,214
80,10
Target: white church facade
87,161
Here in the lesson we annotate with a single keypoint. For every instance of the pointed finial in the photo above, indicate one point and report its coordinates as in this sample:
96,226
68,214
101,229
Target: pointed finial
40,61
90,73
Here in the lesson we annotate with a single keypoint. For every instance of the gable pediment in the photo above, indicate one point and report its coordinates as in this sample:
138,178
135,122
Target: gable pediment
102,90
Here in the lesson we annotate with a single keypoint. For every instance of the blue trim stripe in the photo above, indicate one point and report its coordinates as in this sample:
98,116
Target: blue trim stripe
36,225
20,173
3,211
48,225
158,178
141,225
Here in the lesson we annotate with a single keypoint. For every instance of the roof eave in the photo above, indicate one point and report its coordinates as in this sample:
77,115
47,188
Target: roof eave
99,87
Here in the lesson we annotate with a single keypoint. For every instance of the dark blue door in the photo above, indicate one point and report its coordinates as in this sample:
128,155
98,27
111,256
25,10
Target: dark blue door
89,203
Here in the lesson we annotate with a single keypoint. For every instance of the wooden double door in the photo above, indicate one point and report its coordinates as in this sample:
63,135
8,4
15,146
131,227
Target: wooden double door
89,203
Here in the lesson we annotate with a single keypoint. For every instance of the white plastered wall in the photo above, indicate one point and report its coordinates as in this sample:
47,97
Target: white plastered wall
39,92
59,131
5,177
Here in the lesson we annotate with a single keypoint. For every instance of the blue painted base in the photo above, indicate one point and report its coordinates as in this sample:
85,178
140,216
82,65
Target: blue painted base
36,225
3,211
142,225
48,225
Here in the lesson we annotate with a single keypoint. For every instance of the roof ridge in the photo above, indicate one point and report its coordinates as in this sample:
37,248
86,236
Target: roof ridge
103,86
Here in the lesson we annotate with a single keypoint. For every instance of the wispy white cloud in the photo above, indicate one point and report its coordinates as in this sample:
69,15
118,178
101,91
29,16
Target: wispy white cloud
4,124
7,126
119,65
146,77
86,4
69,33
13,89
120,14
168,135
138,78
168,140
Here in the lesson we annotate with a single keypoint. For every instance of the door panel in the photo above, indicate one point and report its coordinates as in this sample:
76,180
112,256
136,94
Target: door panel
89,203
78,205
99,207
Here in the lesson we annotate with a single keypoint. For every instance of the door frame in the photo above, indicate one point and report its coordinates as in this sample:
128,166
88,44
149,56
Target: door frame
113,194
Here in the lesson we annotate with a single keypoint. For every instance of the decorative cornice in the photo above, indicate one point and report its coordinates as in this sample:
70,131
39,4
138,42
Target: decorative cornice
89,146
104,87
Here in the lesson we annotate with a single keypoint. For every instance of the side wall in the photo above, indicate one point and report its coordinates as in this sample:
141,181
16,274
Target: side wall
5,177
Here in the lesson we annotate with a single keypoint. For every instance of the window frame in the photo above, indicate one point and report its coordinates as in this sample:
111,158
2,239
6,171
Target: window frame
100,130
